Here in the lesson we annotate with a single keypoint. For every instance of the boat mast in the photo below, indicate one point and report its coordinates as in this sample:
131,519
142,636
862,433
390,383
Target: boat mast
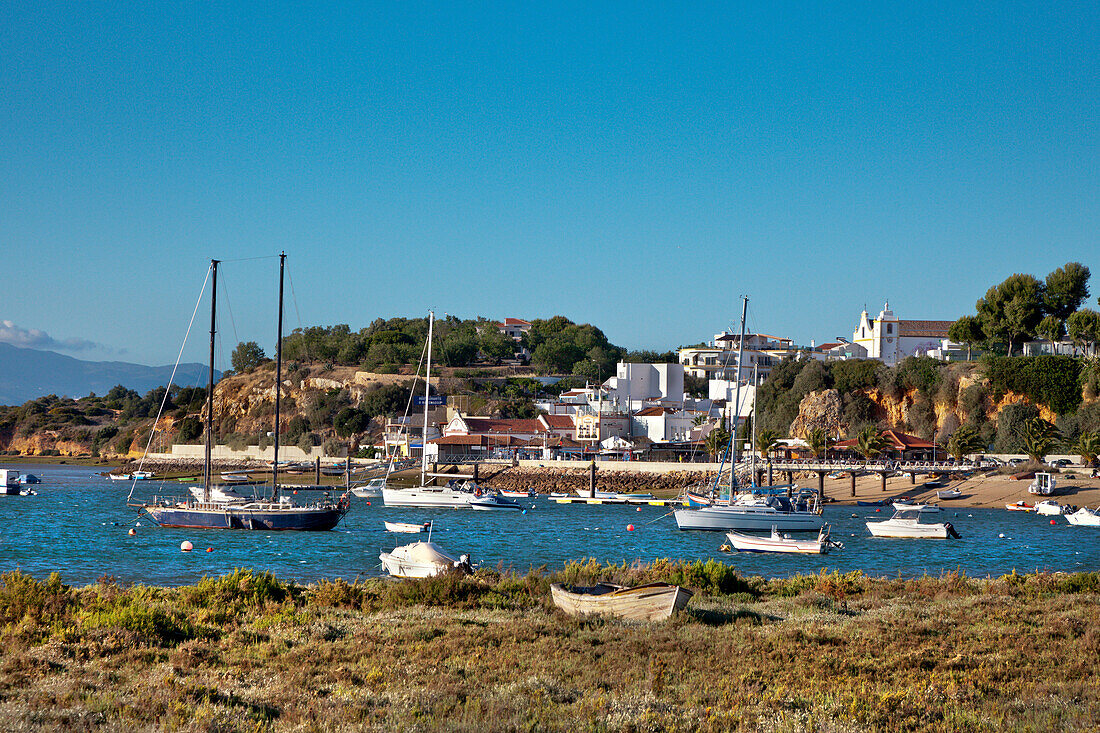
278,383
737,398
427,388
210,385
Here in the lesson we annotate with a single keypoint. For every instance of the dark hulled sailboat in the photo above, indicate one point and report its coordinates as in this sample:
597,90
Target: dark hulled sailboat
274,513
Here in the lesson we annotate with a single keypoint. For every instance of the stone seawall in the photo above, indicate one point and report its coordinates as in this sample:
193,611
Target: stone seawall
571,480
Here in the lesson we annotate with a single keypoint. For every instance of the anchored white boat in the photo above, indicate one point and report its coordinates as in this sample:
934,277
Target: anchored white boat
782,542
1050,508
1043,484
756,514
492,501
906,523
371,489
407,527
512,494
948,494
420,560
925,508
1084,517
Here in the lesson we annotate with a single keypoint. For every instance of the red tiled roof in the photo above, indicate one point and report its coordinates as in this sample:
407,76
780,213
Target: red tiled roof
924,329
457,440
650,412
897,439
559,421
516,322
830,345
501,425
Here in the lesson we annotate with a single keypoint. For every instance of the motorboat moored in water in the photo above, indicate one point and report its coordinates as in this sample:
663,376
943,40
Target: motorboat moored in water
421,560
1084,517
1020,506
906,524
924,508
1050,508
778,542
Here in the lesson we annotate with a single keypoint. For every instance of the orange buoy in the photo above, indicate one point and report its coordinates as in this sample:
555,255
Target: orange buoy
132,531
639,509
295,491
630,528
209,549
1053,522
368,503
186,546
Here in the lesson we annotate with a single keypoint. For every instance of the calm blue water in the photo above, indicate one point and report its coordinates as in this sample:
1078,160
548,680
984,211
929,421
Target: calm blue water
78,525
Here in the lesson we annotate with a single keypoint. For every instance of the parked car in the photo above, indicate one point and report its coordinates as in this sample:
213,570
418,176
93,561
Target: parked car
1062,463
1016,461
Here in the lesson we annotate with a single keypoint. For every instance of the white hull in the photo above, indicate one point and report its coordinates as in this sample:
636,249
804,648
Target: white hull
949,494
725,518
1049,508
1084,517
777,543
427,496
407,527
923,508
419,560
518,494
906,524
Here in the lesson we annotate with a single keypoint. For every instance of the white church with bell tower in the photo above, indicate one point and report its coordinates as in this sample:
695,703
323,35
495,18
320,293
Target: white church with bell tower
890,340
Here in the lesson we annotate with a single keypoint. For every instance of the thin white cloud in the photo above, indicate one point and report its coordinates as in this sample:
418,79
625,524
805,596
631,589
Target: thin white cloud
32,338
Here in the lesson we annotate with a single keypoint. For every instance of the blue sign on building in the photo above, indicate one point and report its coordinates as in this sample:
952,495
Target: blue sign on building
436,400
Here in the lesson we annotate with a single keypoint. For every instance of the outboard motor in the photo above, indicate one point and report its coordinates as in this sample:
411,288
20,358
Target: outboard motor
951,531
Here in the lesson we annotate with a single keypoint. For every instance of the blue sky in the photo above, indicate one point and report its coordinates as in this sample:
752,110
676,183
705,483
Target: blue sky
634,165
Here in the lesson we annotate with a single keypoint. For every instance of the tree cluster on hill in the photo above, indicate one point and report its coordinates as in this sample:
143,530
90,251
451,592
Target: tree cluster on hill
99,421
1023,308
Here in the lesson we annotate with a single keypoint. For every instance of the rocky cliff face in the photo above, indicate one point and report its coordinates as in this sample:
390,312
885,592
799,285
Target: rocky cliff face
817,410
823,409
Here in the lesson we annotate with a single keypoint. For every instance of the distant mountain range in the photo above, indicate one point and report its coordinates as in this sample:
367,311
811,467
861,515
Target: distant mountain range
26,374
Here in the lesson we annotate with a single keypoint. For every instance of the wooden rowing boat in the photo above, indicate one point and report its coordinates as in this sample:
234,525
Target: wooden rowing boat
652,602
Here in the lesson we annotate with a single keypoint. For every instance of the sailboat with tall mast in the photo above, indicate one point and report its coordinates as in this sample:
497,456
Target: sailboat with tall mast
274,513
457,492
746,511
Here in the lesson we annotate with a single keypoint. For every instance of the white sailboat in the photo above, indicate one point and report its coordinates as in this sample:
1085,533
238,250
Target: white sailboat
747,511
428,495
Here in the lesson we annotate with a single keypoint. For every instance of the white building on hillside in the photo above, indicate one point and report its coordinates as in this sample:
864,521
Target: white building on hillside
890,340
636,385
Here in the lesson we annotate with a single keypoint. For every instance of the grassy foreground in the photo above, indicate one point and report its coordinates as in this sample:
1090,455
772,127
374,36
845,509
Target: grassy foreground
489,652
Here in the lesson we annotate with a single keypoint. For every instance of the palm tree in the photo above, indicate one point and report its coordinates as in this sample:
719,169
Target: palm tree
816,440
1039,436
964,441
870,443
766,441
1088,447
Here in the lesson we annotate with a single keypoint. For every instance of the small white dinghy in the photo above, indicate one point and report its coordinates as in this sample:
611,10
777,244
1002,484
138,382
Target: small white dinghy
407,527
923,508
1084,517
906,524
948,494
782,542
421,560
